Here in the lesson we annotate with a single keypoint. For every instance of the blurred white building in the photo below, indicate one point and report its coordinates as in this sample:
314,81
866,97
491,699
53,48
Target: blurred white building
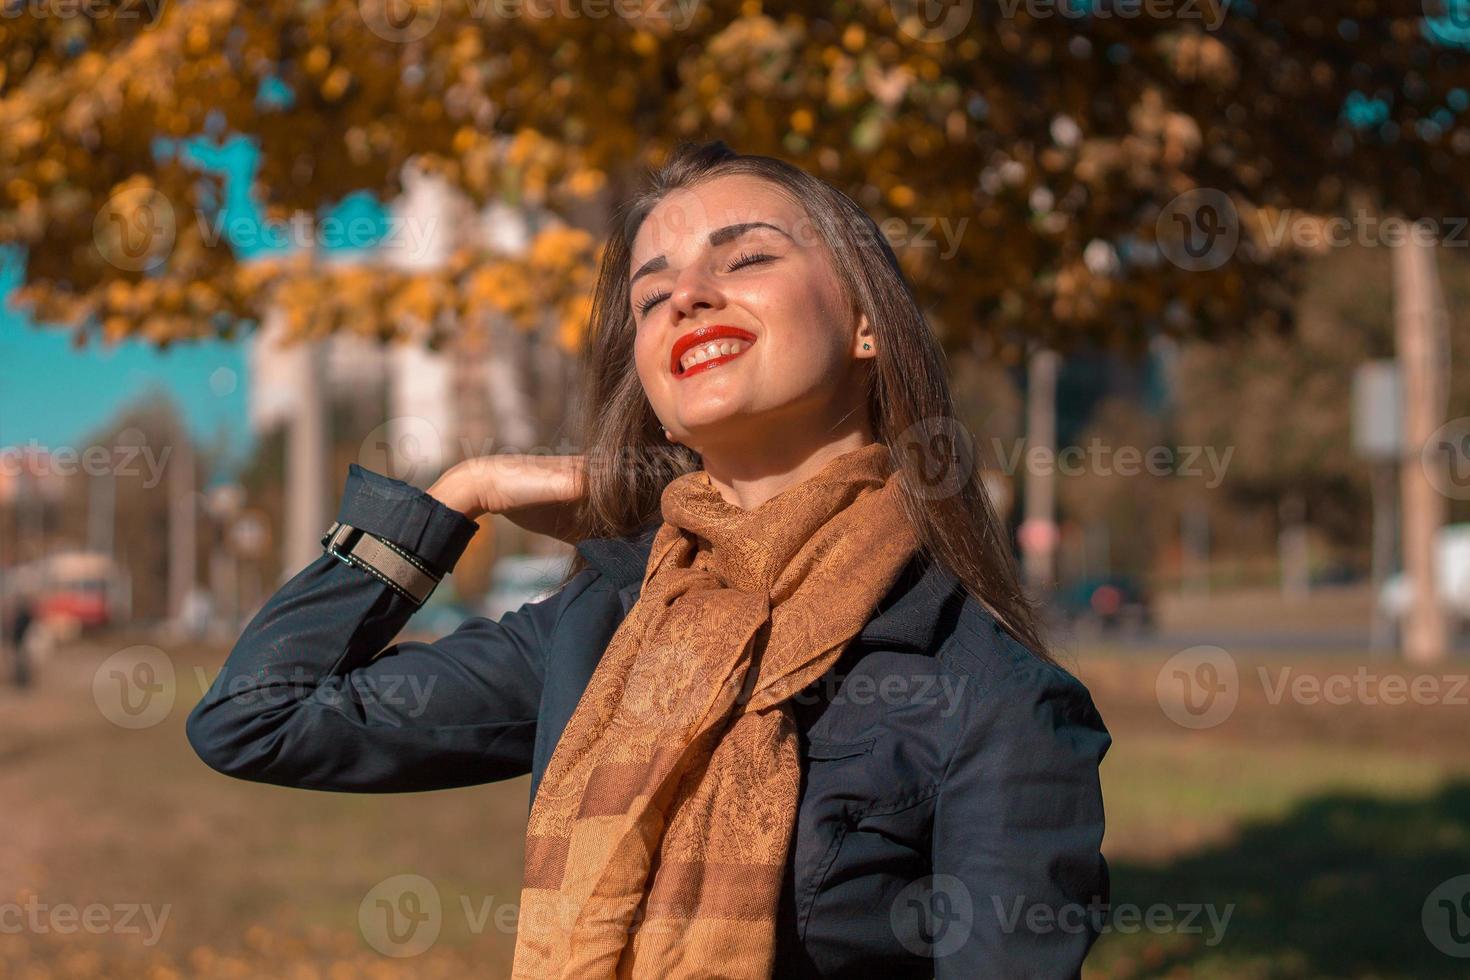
428,409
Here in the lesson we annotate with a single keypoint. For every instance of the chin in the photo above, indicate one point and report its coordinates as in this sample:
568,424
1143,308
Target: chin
723,430
709,411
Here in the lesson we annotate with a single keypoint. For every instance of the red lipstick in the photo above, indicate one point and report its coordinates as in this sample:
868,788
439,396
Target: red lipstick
704,335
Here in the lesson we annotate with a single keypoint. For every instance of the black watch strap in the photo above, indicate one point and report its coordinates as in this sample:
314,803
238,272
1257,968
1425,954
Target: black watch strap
393,566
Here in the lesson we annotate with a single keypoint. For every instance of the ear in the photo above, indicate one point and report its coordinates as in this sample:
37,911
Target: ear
864,340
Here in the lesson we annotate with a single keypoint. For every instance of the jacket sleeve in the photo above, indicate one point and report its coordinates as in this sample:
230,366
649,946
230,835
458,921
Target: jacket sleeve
310,698
1018,828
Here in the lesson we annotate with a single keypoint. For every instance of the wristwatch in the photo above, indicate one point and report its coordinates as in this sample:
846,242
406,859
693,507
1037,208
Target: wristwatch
393,566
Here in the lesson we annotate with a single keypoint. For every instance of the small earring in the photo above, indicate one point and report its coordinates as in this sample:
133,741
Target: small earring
867,346
668,435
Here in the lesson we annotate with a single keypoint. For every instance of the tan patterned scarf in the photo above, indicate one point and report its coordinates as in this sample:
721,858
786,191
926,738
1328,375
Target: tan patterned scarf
658,837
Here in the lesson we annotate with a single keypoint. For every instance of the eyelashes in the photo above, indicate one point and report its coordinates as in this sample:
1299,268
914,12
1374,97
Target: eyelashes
650,302
740,261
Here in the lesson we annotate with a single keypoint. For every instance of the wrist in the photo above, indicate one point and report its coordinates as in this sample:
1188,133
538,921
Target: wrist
453,489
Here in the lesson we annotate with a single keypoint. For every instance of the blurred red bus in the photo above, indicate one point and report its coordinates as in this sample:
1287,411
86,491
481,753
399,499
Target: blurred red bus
80,589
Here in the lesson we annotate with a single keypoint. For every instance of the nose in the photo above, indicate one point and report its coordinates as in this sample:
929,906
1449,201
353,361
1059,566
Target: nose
692,293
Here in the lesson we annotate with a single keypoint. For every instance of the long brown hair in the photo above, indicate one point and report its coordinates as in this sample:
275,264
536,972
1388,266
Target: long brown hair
629,461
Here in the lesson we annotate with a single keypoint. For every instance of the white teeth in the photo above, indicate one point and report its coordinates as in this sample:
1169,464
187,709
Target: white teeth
715,348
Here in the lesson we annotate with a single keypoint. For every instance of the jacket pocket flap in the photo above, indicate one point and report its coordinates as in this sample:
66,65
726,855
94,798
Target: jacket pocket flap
838,750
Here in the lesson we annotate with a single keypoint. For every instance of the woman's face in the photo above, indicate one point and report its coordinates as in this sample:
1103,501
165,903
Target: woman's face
735,252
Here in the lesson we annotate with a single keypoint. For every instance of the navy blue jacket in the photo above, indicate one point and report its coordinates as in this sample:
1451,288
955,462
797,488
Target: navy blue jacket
950,821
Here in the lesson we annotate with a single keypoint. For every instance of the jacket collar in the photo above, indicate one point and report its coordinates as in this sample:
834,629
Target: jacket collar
621,560
915,613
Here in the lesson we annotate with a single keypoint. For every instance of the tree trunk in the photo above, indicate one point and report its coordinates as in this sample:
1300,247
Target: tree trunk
1419,323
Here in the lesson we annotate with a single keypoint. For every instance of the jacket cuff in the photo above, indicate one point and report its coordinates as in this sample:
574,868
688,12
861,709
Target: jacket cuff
407,516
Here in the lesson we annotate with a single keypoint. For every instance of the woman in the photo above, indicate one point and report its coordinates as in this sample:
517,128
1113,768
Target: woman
789,715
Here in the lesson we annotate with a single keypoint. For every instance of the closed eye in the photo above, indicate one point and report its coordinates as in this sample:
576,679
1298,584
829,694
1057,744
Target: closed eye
748,258
650,302
740,261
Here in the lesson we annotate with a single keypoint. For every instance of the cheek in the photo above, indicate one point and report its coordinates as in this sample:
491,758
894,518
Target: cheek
808,294
805,320
645,357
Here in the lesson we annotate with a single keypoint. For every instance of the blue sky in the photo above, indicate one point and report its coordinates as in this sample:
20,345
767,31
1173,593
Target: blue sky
55,394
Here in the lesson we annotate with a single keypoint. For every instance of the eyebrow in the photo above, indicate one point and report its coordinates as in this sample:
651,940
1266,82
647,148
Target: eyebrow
719,236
